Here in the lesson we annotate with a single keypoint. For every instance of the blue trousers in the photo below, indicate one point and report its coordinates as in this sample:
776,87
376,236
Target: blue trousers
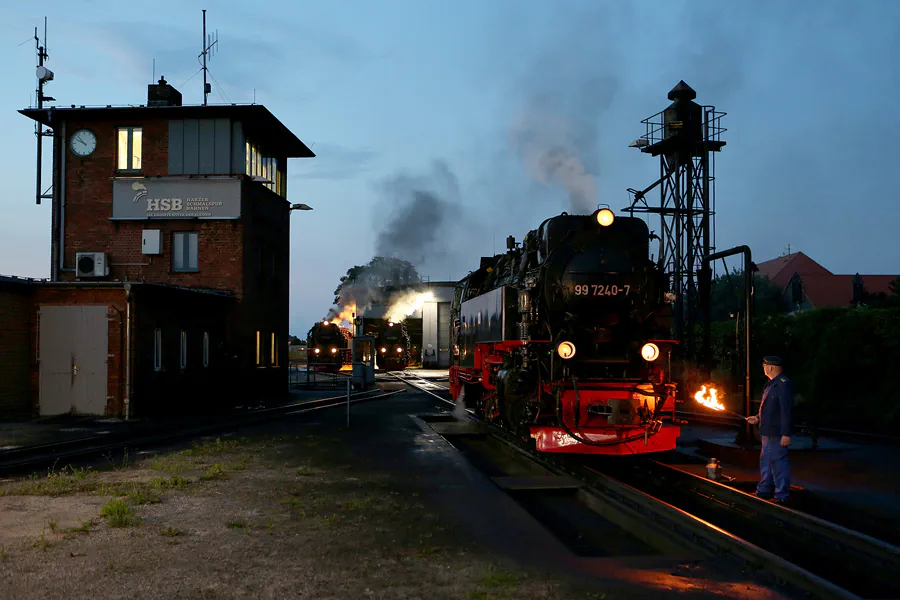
774,470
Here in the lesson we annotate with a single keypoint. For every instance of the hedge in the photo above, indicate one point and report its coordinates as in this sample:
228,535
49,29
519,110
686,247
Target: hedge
840,360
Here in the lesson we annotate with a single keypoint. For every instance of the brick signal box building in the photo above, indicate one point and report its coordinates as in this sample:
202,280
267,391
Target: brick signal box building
170,259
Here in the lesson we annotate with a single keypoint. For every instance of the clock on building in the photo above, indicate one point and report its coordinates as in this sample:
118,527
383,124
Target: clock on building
83,142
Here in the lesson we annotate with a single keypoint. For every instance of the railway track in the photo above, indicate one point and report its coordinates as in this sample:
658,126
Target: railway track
783,546
30,458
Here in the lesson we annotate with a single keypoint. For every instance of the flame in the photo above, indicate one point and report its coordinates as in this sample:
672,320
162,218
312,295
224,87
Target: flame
407,304
709,399
345,315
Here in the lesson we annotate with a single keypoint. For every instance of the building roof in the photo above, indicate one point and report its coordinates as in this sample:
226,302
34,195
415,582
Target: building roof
113,284
780,270
837,290
257,121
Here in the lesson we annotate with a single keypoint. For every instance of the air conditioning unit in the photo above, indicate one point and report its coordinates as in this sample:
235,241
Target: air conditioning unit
91,264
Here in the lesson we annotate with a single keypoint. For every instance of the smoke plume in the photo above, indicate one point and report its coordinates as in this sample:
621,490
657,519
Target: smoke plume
417,209
554,129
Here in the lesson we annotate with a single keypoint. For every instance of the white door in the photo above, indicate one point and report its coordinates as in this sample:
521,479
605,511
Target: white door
74,342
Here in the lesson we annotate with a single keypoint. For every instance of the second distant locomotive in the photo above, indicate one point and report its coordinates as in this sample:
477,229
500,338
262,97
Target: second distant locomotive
328,346
392,343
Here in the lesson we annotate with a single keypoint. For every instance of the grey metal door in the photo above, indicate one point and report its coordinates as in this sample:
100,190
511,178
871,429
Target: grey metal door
74,343
443,334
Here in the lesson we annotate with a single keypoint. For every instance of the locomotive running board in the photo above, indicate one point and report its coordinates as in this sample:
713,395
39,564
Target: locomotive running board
538,483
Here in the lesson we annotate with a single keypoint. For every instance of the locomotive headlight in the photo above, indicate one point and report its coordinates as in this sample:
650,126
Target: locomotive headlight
605,217
399,350
650,352
334,350
316,350
566,350
390,324
383,350
325,323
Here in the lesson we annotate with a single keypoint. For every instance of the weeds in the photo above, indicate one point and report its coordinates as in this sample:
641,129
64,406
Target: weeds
118,513
170,532
4,554
214,472
236,524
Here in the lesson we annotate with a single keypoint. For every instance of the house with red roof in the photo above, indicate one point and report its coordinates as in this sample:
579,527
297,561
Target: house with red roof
806,284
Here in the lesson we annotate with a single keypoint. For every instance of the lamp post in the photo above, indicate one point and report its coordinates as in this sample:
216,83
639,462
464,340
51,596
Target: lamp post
300,207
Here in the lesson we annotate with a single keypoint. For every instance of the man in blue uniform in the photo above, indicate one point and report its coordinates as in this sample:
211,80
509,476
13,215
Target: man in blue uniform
775,423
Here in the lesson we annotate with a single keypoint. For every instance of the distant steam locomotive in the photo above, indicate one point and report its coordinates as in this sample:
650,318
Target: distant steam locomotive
392,346
328,346
565,340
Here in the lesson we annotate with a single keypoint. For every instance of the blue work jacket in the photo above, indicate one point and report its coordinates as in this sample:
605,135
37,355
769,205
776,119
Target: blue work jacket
777,407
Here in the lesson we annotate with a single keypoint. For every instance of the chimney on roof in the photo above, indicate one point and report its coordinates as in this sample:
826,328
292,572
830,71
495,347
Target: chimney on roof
162,94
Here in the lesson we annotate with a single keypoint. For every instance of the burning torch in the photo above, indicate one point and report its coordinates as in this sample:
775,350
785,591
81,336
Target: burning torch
710,399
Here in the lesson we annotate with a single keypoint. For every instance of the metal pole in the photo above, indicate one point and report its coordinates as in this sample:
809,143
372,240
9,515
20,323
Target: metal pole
204,57
748,321
348,402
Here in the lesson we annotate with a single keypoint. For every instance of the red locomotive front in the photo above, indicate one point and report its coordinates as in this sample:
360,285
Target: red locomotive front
565,340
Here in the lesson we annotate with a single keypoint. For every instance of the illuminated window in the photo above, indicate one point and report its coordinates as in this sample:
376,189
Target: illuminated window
129,149
205,349
182,361
274,350
157,349
259,352
184,251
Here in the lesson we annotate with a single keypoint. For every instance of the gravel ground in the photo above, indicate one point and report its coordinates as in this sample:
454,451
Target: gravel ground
275,515
252,517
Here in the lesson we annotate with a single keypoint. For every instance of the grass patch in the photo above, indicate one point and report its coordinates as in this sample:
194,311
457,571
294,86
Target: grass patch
84,528
4,553
236,524
170,532
118,513
214,472
43,543
211,448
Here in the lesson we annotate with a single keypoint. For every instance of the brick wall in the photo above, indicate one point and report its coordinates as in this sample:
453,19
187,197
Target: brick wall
15,352
88,207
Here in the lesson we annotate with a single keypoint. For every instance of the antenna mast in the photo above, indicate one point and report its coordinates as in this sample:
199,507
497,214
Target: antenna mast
209,44
43,76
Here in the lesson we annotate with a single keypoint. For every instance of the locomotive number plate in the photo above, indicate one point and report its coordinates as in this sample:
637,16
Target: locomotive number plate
594,289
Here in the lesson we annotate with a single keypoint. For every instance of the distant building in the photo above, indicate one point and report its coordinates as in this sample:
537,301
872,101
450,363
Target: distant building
169,260
806,284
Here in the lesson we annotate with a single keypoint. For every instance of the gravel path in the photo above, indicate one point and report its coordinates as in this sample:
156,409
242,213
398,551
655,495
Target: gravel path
253,517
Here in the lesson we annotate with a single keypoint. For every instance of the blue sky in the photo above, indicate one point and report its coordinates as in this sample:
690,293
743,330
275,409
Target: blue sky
454,97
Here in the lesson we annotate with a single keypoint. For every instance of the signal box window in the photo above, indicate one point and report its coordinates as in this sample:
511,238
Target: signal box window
259,350
183,355
129,149
157,349
184,251
274,360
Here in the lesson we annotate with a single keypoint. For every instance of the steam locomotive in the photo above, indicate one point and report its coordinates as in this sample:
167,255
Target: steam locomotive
565,340
328,346
392,346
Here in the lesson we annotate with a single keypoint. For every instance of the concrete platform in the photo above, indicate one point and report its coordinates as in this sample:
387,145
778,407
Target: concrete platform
837,477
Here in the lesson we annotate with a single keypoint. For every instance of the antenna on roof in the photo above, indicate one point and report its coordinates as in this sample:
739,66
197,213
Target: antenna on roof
43,76
210,42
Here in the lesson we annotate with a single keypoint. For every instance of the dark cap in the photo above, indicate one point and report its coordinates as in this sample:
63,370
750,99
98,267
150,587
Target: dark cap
772,360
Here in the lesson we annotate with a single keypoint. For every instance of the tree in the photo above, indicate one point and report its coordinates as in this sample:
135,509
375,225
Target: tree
380,272
727,296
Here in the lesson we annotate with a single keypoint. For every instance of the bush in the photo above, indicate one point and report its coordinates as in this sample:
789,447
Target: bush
839,359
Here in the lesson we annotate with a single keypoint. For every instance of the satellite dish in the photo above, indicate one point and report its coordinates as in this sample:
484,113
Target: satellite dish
44,74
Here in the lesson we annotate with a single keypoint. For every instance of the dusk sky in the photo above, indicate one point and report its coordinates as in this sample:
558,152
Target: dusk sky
439,109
